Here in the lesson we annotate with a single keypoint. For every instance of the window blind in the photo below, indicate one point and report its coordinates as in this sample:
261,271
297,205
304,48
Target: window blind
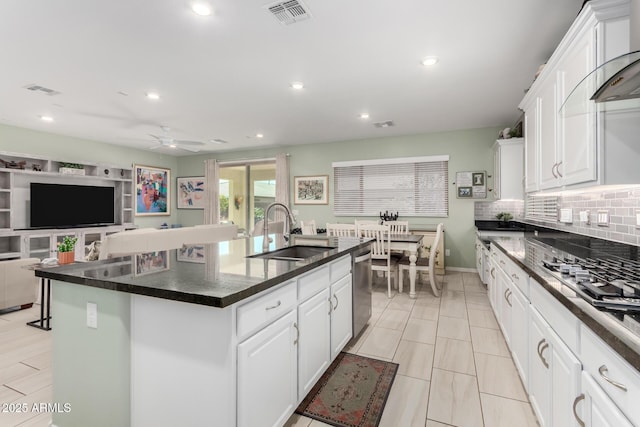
542,208
411,186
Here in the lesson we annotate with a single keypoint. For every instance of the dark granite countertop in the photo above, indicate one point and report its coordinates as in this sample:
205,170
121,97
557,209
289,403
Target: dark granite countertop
221,277
613,327
499,226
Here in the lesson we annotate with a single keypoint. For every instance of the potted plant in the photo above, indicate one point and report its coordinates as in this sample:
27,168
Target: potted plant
66,253
71,168
504,218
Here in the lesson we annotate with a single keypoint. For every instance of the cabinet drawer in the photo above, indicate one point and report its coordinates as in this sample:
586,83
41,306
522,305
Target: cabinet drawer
563,322
311,283
518,277
340,268
261,311
602,362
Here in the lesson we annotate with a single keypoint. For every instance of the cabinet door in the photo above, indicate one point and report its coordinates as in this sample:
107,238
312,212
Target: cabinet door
539,369
598,410
565,381
577,133
520,333
531,149
504,293
492,284
479,260
547,124
267,373
313,346
341,314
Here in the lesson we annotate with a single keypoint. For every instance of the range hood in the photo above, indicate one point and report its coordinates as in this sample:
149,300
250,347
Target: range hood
614,85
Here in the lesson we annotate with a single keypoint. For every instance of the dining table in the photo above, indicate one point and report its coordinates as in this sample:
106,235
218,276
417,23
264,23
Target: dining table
410,243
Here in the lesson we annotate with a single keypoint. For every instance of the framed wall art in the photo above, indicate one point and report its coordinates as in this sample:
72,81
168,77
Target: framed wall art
311,190
471,185
191,253
191,192
152,191
151,262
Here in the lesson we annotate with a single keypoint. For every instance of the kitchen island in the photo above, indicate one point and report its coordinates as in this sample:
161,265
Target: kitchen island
217,338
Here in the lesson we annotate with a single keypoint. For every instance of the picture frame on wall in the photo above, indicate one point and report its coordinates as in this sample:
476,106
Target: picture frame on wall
191,192
151,262
311,190
153,193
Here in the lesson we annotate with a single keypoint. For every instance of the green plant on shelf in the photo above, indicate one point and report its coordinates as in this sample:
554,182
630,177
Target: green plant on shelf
71,165
504,216
67,244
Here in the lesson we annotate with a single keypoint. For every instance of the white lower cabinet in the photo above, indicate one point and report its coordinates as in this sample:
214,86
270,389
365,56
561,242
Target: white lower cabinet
267,374
341,314
554,374
598,410
313,348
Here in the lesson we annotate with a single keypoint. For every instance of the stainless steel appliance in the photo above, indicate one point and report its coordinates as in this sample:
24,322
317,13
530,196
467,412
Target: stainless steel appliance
609,283
361,270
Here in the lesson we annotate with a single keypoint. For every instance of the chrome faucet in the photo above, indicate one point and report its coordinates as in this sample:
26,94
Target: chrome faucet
265,232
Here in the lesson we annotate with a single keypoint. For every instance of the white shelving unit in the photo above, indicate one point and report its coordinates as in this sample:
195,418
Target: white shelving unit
18,171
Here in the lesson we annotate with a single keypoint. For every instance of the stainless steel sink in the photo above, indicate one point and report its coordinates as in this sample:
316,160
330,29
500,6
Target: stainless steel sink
293,253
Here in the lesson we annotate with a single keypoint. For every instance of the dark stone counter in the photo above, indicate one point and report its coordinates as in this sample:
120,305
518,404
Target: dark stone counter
222,276
619,329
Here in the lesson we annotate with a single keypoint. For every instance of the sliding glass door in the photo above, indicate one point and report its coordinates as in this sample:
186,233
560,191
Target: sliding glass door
246,189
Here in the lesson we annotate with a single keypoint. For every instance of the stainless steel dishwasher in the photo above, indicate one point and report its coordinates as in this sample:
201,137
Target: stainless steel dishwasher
361,270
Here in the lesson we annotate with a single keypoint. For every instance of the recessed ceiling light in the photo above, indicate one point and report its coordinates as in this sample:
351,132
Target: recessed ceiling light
152,95
430,60
259,135
47,119
201,8
172,145
364,115
297,85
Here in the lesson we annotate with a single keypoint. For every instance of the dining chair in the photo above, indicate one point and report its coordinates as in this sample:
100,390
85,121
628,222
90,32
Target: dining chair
363,223
341,230
424,264
308,227
398,227
381,259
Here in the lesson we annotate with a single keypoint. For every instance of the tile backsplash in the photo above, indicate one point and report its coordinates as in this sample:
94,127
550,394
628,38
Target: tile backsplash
620,204
486,211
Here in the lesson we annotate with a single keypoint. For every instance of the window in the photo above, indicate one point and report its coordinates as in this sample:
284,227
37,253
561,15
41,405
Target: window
411,186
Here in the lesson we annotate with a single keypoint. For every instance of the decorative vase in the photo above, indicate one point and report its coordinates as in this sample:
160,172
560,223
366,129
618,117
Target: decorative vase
65,257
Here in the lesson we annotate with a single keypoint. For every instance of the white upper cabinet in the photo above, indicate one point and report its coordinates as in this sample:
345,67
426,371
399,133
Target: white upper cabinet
508,166
582,148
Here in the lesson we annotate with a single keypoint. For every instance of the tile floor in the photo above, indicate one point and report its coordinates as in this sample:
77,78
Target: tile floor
455,368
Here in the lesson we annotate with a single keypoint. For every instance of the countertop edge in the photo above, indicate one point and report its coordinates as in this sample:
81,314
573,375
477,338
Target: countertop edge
583,311
176,295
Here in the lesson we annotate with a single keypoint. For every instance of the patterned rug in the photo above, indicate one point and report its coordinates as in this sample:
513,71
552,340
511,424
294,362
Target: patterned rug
352,392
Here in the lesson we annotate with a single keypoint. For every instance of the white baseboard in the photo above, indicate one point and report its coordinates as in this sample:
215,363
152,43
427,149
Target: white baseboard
462,269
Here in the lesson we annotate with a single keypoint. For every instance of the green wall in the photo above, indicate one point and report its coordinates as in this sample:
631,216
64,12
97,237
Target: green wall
468,150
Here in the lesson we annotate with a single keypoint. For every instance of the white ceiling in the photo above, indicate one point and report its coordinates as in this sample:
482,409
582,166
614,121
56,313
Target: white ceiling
227,76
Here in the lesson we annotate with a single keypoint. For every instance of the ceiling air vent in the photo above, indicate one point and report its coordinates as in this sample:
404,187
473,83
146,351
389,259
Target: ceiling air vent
289,12
386,124
43,89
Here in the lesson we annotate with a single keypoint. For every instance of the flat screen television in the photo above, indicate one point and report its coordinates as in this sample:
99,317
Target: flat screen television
64,206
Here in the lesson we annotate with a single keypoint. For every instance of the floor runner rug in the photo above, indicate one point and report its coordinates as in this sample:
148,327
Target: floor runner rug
352,392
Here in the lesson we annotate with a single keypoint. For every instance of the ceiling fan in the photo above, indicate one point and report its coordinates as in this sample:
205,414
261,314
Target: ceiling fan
169,142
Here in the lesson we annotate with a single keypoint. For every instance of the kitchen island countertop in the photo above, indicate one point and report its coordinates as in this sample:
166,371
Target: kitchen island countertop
219,276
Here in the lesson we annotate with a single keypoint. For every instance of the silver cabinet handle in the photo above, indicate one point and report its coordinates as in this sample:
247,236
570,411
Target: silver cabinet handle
575,413
558,169
515,276
336,298
502,262
295,325
278,304
507,293
492,270
330,305
603,373
553,172
542,349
